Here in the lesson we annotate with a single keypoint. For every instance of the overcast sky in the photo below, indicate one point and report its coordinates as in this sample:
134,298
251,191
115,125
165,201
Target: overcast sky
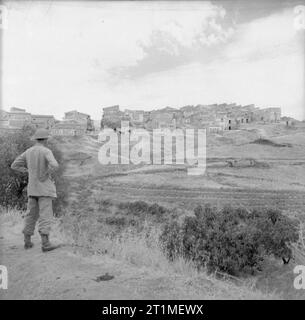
59,56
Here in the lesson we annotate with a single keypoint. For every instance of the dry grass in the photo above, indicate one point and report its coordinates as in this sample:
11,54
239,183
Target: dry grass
142,250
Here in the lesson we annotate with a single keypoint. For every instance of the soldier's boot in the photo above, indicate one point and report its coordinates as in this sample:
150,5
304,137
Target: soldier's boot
46,245
28,244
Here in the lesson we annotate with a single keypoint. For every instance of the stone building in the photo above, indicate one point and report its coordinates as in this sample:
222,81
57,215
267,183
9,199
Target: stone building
82,119
17,118
271,114
112,117
68,128
42,121
214,117
135,117
4,119
163,118
288,121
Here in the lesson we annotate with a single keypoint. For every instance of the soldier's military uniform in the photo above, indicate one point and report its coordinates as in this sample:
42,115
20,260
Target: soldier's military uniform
39,162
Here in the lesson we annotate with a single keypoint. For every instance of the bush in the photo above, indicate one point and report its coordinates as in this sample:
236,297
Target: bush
230,240
276,231
141,207
13,184
270,143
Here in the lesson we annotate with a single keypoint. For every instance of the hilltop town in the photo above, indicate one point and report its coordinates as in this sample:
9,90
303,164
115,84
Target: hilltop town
213,117
74,123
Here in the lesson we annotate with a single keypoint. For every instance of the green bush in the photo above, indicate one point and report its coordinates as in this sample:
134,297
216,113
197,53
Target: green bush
230,240
13,184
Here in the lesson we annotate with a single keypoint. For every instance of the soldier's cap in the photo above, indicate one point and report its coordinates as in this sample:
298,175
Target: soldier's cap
41,134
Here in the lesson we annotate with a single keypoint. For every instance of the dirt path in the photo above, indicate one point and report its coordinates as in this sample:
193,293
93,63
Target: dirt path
65,274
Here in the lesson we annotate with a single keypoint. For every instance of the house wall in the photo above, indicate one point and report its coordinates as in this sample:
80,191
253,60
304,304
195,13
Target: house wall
268,115
80,117
19,120
39,121
67,132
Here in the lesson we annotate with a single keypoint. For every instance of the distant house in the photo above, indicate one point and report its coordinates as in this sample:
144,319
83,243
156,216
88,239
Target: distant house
111,110
4,119
163,118
271,114
232,123
14,109
112,117
288,121
68,128
215,129
81,118
17,118
75,115
42,121
136,117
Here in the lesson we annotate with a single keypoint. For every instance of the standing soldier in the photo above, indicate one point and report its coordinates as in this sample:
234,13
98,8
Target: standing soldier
39,162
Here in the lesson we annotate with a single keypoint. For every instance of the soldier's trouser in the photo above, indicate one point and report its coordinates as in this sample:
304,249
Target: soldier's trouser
38,208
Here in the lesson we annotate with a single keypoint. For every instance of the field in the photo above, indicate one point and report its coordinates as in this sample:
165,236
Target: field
257,167
264,174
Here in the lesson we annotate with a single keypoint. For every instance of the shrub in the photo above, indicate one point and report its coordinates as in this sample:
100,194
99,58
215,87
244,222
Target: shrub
117,221
277,231
12,183
230,240
270,143
141,207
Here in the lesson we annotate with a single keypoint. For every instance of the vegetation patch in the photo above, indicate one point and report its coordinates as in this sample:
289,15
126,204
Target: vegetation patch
141,207
230,240
268,142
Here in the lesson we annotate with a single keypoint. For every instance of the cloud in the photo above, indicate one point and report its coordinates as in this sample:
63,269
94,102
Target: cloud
61,55
179,37
263,63
265,37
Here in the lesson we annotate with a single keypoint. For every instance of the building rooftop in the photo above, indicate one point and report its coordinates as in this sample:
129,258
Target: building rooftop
42,116
75,111
14,109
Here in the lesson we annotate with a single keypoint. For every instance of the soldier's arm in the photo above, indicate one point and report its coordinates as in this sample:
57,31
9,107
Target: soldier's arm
52,163
20,164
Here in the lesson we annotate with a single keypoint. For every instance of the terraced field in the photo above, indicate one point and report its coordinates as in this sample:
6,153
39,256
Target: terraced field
284,200
276,180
